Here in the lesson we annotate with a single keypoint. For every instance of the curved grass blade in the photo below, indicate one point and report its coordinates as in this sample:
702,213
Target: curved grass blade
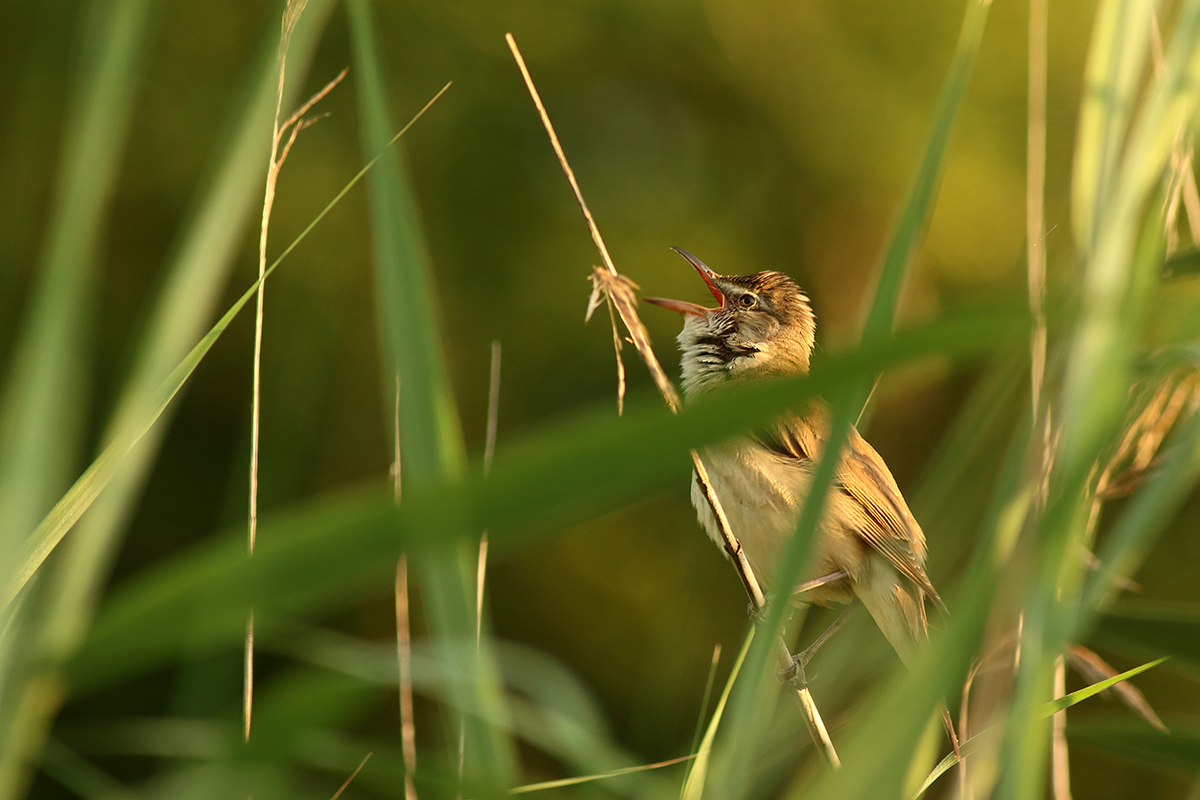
77,500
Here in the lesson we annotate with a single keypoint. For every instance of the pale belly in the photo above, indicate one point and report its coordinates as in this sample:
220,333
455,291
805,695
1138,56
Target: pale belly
762,494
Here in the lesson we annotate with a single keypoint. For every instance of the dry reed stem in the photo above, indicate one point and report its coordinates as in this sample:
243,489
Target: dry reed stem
291,15
562,157
1060,756
408,729
616,337
1035,189
620,292
733,548
616,288
357,769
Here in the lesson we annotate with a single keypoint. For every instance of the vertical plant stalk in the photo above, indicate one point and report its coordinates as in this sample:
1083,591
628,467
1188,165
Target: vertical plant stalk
279,153
1060,760
1035,192
619,292
489,452
408,727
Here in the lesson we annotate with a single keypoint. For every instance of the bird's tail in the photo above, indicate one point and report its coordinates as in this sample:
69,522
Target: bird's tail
897,607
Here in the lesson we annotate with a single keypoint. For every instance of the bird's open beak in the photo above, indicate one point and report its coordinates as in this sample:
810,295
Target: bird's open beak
684,307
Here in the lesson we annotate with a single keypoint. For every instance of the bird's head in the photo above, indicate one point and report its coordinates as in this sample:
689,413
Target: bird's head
763,325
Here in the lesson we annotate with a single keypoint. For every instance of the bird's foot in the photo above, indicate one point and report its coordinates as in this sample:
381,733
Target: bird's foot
792,674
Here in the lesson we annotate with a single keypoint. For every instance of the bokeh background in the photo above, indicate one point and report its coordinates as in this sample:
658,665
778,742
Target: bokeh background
758,135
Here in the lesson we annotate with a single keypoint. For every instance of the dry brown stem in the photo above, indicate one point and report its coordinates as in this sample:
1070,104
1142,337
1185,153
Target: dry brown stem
621,294
296,123
1035,183
357,769
1060,755
408,729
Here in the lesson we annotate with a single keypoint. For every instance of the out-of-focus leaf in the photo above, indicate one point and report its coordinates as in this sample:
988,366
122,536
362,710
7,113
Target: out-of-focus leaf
193,281
1136,740
42,399
43,403
82,777
429,435
1182,264
89,486
1101,347
549,707
1116,62
1154,629
336,549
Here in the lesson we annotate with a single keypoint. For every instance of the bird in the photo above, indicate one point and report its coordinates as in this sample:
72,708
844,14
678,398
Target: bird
869,546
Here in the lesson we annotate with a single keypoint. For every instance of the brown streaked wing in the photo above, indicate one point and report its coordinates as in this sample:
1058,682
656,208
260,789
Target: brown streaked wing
865,477
801,438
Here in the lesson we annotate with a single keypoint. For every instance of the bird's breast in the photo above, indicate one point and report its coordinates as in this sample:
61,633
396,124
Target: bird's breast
762,494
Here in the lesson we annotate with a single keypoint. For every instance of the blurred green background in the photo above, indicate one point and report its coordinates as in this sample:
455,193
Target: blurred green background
758,135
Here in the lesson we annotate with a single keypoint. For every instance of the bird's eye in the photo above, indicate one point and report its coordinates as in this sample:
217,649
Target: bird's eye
747,301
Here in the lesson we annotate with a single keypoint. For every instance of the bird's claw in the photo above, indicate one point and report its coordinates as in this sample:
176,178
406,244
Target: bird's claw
792,674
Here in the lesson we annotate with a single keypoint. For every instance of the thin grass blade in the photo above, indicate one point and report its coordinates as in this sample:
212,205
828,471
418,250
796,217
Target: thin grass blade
1066,701
693,787
913,222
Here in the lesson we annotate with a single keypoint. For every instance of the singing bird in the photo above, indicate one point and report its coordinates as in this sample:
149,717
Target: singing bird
869,545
